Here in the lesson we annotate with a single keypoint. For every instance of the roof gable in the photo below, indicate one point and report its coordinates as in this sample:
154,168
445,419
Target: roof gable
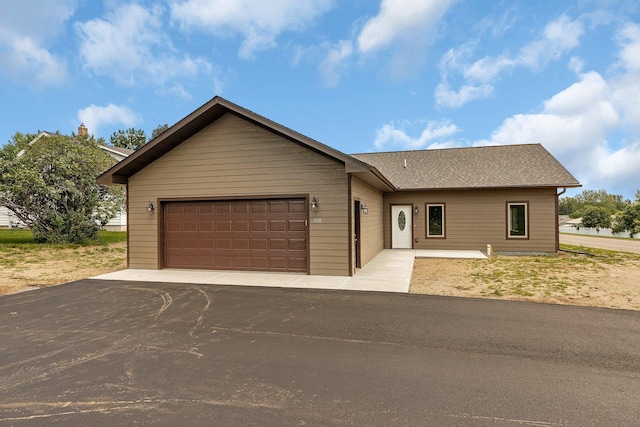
505,166
203,117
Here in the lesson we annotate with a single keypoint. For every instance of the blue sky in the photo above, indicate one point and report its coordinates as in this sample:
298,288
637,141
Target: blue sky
360,75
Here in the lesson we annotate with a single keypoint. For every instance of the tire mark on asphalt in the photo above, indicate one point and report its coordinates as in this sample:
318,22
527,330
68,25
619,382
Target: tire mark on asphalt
75,408
198,324
166,299
44,372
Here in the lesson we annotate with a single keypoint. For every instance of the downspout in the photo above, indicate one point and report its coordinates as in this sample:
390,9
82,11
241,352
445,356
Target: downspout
564,190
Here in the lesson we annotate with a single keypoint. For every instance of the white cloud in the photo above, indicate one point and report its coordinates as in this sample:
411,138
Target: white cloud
403,20
393,136
446,97
403,27
96,116
558,37
259,22
575,125
131,46
24,37
334,62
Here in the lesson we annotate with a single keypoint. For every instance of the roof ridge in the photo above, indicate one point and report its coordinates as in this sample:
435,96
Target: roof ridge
449,148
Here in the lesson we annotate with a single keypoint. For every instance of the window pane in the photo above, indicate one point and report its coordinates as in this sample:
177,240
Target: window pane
435,220
517,220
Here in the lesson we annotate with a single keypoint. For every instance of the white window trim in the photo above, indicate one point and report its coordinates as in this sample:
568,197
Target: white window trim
436,236
526,220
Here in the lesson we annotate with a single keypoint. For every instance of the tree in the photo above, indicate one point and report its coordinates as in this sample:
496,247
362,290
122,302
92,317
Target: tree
130,138
51,187
157,131
575,206
566,206
596,216
629,219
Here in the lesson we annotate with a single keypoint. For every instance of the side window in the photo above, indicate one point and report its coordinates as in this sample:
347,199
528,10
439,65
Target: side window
435,220
517,220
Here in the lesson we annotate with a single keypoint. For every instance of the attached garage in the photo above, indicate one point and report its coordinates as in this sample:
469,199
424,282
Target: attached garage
251,235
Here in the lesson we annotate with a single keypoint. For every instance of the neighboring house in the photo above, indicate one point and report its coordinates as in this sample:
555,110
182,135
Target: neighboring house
118,223
228,189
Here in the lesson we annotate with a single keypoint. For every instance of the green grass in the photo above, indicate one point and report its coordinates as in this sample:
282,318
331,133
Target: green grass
24,237
528,276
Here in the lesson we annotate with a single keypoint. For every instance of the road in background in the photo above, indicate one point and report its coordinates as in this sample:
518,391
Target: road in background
625,245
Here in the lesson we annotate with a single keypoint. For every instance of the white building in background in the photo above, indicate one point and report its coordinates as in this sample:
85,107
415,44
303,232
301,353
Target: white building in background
118,223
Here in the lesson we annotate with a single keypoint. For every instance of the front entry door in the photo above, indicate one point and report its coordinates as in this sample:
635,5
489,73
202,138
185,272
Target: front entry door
401,227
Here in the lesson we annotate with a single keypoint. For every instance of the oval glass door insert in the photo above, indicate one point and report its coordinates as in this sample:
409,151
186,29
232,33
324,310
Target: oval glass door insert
402,220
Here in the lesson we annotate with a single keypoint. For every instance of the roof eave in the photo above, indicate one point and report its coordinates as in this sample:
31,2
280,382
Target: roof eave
491,187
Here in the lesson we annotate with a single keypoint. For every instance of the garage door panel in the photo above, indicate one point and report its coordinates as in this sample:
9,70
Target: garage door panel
259,244
260,263
277,244
297,206
297,225
277,207
205,208
277,225
261,235
297,263
259,207
298,245
240,225
259,225
222,208
204,226
223,225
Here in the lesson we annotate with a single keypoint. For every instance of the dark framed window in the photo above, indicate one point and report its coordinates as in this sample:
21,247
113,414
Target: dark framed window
435,217
517,220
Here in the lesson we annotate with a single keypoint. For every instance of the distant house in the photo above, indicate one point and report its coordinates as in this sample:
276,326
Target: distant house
228,189
118,223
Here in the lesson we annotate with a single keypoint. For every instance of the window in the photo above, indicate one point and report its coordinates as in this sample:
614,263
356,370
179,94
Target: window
517,220
435,220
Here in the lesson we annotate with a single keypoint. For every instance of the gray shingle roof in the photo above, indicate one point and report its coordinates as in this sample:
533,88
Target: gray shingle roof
529,165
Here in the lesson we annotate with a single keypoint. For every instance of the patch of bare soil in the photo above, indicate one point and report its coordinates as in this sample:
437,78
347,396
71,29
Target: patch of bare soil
565,279
26,269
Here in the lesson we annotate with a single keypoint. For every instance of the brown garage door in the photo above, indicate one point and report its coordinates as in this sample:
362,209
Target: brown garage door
258,235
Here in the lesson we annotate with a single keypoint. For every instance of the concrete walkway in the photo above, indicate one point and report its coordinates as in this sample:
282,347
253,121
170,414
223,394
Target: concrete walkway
389,271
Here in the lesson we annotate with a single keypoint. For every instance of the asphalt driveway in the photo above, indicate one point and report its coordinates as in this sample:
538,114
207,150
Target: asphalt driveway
99,352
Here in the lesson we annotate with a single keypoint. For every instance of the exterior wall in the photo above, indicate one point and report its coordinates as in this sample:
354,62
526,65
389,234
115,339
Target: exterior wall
8,218
234,158
475,218
370,224
117,223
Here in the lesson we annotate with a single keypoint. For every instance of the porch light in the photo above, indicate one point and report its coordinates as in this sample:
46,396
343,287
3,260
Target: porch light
365,209
150,208
314,204
416,210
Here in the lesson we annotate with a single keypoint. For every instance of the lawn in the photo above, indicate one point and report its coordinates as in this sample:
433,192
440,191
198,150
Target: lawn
578,276
25,264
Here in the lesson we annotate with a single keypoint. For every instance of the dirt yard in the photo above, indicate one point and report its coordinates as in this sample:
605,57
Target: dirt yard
602,279
29,267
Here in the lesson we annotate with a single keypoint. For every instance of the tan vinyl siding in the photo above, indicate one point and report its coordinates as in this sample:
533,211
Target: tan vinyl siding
235,158
370,224
475,218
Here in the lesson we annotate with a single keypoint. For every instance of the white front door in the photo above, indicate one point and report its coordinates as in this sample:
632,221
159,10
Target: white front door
401,226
